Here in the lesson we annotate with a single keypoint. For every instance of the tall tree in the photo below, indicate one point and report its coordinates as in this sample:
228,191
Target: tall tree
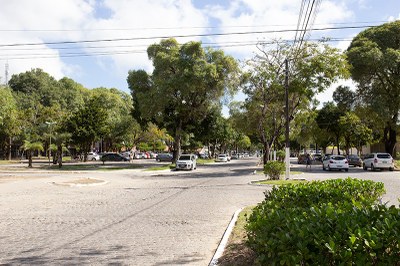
311,70
9,120
374,56
328,119
186,81
344,98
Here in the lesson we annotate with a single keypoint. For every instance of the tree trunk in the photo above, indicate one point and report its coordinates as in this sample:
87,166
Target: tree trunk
389,137
9,148
266,152
59,156
338,145
30,159
177,143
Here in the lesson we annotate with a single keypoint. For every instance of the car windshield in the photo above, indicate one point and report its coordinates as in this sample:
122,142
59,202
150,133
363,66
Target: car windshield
222,155
338,158
383,156
184,157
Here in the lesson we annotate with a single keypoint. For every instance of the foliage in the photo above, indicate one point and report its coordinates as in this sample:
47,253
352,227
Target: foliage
333,222
186,81
274,169
312,69
374,56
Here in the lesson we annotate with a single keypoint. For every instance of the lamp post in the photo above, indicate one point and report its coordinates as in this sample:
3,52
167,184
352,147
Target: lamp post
50,124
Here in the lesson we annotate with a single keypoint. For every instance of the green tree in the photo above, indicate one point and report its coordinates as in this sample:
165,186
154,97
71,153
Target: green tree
30,147
328,118
312,69
9,120
344,98
87,125
186,81
374,56
354,132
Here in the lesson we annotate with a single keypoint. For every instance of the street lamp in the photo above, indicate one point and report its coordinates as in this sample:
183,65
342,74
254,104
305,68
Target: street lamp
50,124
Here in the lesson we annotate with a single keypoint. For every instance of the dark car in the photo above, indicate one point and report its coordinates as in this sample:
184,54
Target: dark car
164,157
354,160
113,157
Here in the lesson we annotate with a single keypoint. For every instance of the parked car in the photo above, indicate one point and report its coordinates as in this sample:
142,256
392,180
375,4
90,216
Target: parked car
126,154
113,157
338,162
93,156
354,160
235,156
222,158
186,162
164,157
378,161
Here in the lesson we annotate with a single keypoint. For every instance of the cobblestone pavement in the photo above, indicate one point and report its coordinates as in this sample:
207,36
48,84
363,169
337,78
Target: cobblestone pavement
137,218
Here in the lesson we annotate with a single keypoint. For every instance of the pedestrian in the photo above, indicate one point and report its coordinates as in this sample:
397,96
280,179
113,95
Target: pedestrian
308,161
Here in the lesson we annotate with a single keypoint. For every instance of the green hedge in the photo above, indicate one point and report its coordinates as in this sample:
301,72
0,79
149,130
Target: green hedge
333,222
274,169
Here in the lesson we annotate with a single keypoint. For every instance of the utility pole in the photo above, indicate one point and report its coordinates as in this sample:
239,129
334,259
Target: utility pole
287,148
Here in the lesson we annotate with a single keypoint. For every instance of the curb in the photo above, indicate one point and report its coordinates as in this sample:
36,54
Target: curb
221,247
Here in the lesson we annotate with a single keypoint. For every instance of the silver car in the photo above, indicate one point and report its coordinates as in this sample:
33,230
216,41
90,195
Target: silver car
378,161
186,162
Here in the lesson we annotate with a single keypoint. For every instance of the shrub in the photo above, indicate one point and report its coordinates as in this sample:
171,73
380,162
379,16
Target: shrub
274,169
325,223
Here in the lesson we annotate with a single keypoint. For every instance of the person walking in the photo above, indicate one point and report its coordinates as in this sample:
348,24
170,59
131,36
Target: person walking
308,161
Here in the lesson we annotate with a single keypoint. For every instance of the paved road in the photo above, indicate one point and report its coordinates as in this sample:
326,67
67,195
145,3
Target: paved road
137,218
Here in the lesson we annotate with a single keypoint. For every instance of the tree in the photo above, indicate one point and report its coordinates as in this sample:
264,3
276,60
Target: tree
186,81
312,69
30,147
9,119
374,56
87,125
354,132
328,119
344,98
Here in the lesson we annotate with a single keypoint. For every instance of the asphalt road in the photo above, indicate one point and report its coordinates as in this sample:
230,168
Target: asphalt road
137,217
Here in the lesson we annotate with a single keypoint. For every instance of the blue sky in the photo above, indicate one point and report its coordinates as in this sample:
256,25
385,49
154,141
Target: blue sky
106,63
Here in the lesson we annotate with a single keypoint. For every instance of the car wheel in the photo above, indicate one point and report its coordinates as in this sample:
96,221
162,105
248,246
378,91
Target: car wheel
346,170
329,168
323,167
93,159
365,167
158,160
391,169
372,167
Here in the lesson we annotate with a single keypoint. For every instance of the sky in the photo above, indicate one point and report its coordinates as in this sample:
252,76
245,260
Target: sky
96,42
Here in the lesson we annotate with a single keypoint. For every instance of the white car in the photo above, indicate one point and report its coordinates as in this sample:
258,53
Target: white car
337,162
378,161
186,162
93,156
222,158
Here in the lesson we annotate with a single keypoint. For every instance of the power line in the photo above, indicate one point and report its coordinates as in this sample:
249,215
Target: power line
182,36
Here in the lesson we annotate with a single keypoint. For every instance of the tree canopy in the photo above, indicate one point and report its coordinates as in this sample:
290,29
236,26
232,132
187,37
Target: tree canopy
374,56
186,82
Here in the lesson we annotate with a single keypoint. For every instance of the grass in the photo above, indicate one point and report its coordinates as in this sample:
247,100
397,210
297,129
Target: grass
161,167
278,182
236,251
204,161
88,167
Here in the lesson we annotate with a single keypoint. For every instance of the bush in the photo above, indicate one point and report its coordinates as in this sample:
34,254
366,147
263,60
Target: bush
274,169
325,223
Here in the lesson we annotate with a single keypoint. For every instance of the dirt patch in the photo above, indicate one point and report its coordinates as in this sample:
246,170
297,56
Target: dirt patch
81,182
236,252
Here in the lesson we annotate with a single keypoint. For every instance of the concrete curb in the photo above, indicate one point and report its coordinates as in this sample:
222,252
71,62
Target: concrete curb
222,244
